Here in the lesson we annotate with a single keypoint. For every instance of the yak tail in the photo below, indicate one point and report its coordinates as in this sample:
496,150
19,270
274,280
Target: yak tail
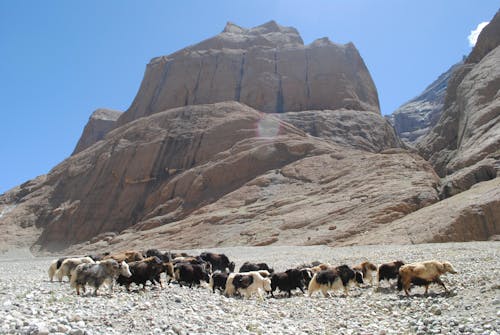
72,281
400,283
211,283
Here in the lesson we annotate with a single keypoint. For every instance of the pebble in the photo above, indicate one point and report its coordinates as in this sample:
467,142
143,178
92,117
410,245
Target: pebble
30,304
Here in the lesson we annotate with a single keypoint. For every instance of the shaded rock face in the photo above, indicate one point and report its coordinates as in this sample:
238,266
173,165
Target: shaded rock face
465,178
266,67
100,123
469,128
415,118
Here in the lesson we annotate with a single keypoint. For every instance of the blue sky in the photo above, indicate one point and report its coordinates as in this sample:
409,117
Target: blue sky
61,60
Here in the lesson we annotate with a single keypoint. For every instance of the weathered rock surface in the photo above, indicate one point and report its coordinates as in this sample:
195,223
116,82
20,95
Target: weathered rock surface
348,128
322,199
100,123
469,216
266,67
488,40
469,128
187,165
415,118
465,178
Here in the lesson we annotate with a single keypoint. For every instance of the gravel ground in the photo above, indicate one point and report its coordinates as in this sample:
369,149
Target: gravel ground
30,304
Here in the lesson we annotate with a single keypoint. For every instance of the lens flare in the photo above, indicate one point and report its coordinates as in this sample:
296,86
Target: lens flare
267,126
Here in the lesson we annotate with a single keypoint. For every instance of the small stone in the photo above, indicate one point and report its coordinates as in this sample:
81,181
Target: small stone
43,331
177,329
62,328
7,304
436,311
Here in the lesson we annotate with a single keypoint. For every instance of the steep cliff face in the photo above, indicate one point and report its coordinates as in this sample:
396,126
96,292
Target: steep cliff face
469,128
488,40
266,67
415,118
100,123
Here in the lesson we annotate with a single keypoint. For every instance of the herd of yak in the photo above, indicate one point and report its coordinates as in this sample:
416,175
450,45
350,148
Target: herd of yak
134,267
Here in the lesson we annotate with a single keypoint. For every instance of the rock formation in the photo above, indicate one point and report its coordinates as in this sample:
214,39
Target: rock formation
469,128
175,165
299,155
348,128
469,216
415,118
322,194
100,123
267,67
488,39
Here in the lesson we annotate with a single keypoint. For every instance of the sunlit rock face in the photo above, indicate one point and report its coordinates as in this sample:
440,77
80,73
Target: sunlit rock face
469,128
267,67
100,123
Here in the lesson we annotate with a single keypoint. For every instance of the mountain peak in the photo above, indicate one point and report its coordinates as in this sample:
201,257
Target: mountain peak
233,28
267,67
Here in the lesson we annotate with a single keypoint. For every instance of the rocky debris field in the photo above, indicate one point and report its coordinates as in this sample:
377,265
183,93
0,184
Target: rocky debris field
31,304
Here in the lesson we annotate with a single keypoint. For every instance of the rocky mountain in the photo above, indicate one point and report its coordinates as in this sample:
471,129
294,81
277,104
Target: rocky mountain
266,67
299,155
415,118
469,128
464,148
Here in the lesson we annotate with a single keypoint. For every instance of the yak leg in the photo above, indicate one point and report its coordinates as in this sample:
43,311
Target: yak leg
440,282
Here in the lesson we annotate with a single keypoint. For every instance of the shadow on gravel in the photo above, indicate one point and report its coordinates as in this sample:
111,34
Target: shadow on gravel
280,296
431,295
385,290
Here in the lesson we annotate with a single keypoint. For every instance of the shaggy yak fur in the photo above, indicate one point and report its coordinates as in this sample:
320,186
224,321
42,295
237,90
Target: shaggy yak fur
423,274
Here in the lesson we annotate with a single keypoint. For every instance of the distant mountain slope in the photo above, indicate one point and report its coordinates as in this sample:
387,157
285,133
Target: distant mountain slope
416,117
